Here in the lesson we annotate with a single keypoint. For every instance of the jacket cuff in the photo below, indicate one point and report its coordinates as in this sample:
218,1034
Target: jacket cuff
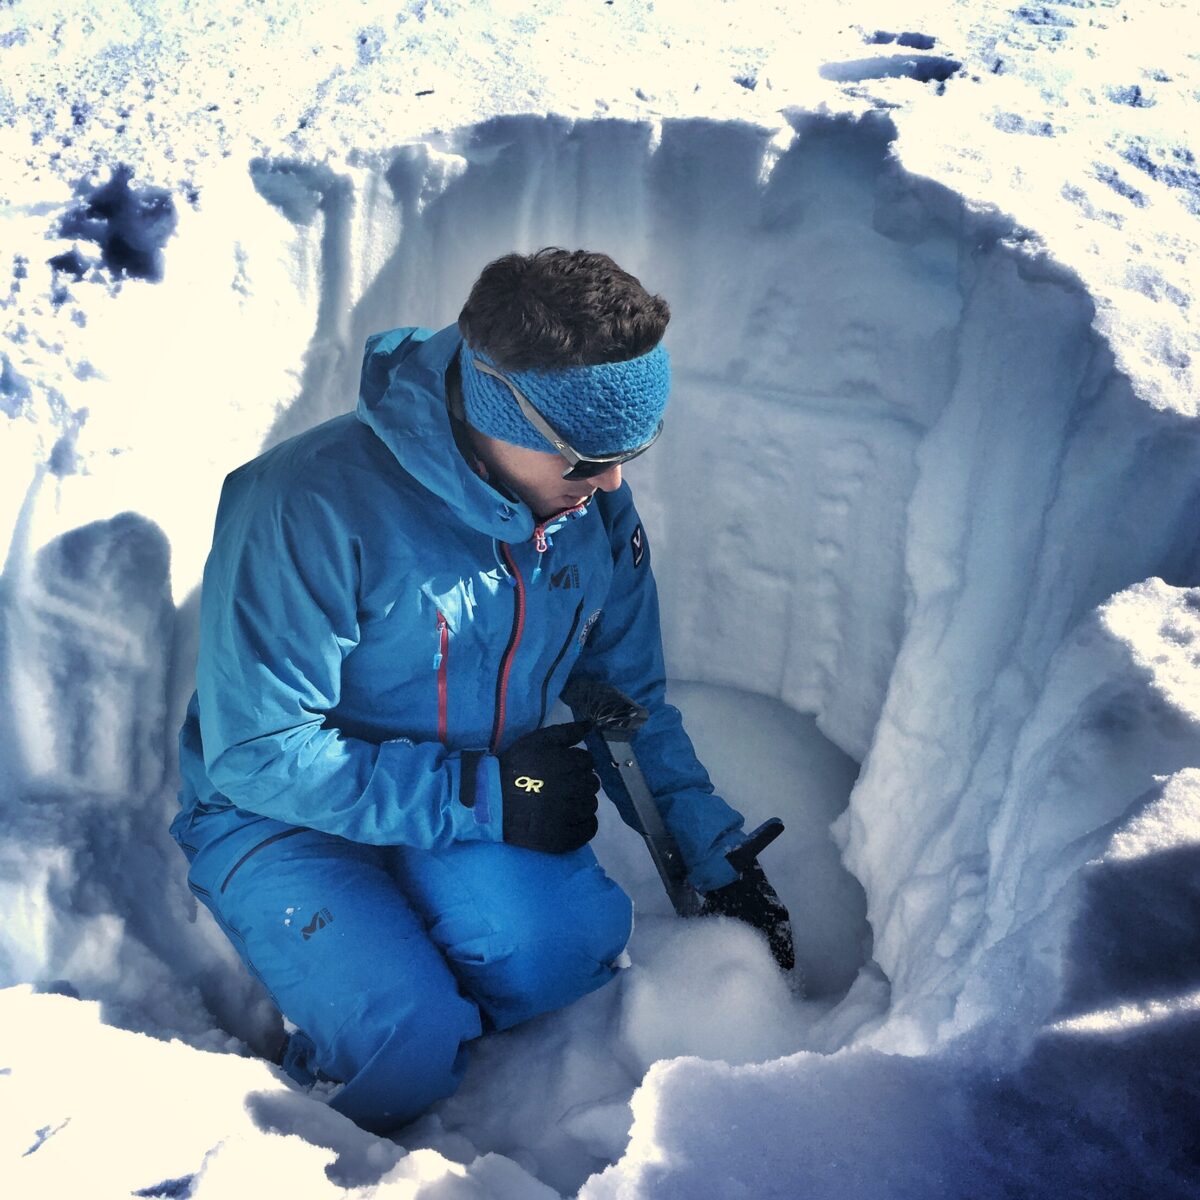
714,870
477,810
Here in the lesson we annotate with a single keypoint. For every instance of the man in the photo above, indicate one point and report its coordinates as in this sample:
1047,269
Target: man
372,809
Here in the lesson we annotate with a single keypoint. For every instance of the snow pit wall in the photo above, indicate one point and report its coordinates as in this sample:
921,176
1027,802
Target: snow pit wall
899,478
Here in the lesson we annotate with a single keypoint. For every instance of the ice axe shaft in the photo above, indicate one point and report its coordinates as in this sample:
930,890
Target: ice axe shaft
617,719
664,849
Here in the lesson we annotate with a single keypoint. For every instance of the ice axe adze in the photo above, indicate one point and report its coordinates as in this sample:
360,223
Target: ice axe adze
617,718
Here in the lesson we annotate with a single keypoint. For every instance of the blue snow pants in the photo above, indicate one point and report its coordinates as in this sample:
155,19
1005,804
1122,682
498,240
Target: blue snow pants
390,959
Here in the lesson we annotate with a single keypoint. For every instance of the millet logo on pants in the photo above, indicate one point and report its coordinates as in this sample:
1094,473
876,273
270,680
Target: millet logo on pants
321,918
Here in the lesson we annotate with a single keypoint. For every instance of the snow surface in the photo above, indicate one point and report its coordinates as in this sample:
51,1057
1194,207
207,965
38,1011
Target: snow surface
925,525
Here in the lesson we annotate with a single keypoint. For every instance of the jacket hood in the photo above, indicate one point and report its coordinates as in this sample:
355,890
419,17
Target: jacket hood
402,397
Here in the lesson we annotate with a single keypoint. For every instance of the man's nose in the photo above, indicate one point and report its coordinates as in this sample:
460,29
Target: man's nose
610,480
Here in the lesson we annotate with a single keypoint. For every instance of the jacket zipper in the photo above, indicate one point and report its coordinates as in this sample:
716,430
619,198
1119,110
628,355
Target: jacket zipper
557,660
440,661
514,640
541,541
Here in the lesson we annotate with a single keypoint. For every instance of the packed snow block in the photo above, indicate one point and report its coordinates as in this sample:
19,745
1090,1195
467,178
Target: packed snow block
1032,912
89,632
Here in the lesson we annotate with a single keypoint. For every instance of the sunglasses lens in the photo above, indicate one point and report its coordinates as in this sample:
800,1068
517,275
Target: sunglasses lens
589,468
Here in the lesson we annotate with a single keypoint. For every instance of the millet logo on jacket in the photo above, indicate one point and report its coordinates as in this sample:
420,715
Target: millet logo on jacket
568,577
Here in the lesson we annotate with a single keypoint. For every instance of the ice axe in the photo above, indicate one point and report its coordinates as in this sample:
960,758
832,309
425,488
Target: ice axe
616,719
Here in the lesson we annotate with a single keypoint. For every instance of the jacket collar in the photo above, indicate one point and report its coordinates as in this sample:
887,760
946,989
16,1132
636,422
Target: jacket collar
402,398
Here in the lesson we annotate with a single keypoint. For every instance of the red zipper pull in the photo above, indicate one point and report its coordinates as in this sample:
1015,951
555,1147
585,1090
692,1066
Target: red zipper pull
539,539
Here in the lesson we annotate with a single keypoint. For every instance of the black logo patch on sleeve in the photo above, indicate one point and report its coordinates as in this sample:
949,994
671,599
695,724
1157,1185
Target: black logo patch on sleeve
637,543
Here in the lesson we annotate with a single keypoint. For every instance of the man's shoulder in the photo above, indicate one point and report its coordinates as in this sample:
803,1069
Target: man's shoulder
616,509
322,448
341,467
626,537
339,460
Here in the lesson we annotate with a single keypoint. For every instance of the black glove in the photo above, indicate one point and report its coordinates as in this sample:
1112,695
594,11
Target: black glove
752,899
549,790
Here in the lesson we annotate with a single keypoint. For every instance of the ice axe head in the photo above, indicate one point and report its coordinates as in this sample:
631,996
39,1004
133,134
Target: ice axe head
615,716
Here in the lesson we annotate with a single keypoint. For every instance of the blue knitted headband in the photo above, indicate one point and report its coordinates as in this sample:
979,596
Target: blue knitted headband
601,409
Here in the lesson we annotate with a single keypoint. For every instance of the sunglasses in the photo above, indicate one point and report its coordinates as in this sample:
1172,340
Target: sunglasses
579,466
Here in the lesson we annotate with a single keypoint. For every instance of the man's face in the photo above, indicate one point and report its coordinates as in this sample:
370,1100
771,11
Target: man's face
535,476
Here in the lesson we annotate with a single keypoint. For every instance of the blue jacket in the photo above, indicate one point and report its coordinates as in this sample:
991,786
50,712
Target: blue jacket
377,622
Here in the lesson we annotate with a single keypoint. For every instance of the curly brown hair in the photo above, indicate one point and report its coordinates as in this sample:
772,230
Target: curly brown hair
560,308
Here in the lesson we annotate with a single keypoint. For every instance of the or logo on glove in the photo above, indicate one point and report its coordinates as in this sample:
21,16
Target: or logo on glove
549,789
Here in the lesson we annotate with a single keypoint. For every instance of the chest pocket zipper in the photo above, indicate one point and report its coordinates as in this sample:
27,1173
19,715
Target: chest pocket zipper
558,659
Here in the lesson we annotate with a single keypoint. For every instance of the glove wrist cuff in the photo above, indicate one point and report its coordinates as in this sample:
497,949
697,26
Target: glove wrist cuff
468,777
478,793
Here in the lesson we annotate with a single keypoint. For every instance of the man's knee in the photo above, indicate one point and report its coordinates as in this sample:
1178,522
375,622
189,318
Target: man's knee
555,957
398,1055
524,932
